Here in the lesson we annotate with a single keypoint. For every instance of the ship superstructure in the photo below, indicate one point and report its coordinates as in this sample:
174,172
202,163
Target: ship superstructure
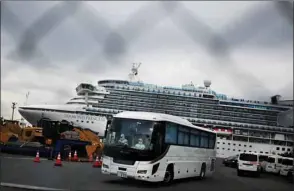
242,125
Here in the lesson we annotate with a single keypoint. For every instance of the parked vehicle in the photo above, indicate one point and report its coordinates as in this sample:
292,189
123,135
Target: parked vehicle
248,162
287,165
274,163
231,161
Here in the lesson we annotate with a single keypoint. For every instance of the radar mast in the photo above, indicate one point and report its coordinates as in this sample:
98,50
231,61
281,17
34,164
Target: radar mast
133,75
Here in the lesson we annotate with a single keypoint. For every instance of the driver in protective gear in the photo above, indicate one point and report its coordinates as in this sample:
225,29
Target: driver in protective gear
123,140
140,144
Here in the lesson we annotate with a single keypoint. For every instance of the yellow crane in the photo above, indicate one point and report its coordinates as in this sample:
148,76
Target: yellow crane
11,129
87,135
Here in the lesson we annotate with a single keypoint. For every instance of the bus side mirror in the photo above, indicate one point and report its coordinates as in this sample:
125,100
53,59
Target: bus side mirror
108,125
157,137
156,130
105,133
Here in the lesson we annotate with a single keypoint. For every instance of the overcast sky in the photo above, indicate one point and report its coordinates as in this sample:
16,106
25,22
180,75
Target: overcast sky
48,48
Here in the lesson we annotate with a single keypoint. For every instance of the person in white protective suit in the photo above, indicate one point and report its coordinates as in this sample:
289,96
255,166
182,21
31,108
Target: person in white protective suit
123,140
140,144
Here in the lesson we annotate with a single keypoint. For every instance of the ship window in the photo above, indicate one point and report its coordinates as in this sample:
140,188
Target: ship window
245,145
92,121
217,142
283,149
228,149
250,145
288,149
239,144
87,121
244,151
217,148
266,152
82,121
223,148
261,151
77,120
234,149
229,143
234,144
239,150
278,148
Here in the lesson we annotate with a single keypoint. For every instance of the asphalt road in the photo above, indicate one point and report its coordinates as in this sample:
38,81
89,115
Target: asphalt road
17,170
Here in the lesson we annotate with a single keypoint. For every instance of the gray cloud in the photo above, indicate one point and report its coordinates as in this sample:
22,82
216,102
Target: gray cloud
263,26
81,40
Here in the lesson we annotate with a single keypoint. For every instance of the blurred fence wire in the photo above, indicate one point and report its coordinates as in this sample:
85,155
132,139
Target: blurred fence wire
116,40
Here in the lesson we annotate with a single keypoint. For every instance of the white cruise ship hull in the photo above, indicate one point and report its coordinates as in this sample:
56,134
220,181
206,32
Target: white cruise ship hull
226,148
70,113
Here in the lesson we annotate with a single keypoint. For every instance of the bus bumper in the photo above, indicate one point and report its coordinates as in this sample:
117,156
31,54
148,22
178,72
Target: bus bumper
130,173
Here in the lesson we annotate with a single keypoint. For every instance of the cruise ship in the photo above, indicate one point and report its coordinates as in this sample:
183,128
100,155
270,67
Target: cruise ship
241,125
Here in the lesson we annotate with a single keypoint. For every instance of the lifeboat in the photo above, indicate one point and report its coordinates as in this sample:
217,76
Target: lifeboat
223,131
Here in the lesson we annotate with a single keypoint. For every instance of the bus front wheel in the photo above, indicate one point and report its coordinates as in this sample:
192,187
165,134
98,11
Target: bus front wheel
169,175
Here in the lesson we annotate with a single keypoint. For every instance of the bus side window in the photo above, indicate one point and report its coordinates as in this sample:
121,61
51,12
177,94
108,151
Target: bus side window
171,133
204,140
195,138
183,135
211,141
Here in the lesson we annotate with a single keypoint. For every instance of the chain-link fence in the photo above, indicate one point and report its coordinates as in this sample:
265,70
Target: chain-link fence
116,41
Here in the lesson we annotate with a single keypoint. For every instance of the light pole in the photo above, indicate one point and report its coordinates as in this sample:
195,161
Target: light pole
13,107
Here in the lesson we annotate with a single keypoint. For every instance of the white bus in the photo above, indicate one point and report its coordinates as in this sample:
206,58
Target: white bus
157,148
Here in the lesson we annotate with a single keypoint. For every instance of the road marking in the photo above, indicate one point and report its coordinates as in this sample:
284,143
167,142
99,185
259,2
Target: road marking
27,186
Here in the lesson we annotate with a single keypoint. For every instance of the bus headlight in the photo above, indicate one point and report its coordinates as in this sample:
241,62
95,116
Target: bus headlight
105,166
142,171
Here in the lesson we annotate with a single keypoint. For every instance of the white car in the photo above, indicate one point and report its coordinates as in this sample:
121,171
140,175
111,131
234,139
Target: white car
274,164
248,162
287,165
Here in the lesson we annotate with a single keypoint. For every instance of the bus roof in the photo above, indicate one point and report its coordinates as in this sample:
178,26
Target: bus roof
157,117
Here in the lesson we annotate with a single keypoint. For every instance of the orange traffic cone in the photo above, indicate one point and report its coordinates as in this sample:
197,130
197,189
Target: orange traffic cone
37,158
58,161
75,158
69,156
91,158
97,163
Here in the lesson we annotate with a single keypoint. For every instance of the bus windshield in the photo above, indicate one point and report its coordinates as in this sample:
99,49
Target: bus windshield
130,133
